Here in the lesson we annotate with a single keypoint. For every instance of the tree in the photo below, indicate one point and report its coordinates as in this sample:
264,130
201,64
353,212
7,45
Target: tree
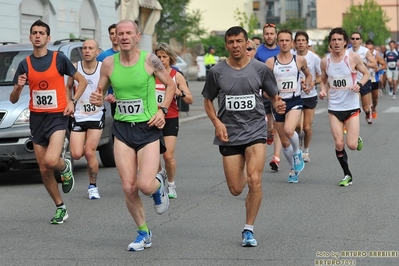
176,23
369,19
249,24
293,24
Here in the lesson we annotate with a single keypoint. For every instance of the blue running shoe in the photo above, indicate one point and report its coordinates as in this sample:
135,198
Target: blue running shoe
293,177
143,240
248,239
160,197
299,164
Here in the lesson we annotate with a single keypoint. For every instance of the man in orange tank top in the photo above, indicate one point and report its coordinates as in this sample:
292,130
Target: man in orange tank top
50,109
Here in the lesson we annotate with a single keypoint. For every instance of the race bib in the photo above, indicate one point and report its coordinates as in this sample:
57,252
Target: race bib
372,76
86,108
287,84
240,102
130,107
392,64
44,99
160,95
340,83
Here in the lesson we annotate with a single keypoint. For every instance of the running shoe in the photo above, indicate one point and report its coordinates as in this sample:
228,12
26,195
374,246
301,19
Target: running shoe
347,181
275,163
306,157
163,173
143,240
299,164
359,143
60,216
369,119
393,97
93,192
248,239
374,114
67,177
293,177
160,197
390,91
270,138
172,191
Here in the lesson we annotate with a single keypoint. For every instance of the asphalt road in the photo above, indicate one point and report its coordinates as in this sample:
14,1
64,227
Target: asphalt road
307,223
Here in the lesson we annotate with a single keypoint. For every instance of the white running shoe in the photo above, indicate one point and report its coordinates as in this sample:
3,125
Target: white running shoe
172,191
160,197
93,192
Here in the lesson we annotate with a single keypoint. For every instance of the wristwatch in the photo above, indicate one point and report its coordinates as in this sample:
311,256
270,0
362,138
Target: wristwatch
183,94
74,102
164,110
359,84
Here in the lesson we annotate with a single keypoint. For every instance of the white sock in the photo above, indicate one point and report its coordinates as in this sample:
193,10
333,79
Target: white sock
249,227
171,183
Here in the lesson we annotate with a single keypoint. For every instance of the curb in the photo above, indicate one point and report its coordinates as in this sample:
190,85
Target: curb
192,118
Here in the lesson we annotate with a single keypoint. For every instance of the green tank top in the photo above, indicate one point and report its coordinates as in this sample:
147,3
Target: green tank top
134,91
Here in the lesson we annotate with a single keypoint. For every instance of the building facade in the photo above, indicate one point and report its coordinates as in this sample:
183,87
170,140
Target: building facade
77,18
330,15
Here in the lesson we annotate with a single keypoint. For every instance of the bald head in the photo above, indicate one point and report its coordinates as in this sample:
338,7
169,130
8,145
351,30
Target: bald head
90,50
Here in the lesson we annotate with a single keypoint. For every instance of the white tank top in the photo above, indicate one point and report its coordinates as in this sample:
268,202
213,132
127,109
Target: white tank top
362,52
287,78
314,67
341,78
85,111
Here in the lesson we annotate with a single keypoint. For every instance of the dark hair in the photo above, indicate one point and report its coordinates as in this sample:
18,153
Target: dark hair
392,41
370,41
235,31
284,31
113,26
256,38
356,32
302,33
40,23
339,31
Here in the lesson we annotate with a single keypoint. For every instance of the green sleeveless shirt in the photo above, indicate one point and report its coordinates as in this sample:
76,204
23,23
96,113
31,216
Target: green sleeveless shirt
134,91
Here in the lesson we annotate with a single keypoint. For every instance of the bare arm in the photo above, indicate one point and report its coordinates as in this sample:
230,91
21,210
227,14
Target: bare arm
182,86
308,76
97,97
16,92
324,78
362,69
381,61
82,83
220,128
371,61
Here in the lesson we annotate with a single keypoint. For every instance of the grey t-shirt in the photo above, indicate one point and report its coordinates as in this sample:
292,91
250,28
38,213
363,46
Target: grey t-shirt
240,101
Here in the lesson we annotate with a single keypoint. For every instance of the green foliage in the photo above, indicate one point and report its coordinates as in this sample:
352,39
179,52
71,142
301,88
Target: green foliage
215,41
293,24
176,23
369,19
321,50
249,24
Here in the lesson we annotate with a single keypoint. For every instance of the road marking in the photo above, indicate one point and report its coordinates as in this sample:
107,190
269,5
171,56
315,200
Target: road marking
394,109
320,110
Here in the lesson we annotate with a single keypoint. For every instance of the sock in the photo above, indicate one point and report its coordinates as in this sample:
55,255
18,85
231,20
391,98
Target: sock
289,155
306,150
295,143
343,161
249,227
92,185
144,228
61,206
171,183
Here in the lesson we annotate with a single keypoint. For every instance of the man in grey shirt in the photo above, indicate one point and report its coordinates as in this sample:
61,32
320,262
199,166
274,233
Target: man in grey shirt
238,82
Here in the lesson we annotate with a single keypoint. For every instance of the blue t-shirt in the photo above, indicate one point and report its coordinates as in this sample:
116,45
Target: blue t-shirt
263,53
392,57
102,56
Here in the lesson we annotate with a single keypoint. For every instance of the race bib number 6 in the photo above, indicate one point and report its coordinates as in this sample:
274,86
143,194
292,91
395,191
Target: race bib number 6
160,95
44,99
240,102
130,107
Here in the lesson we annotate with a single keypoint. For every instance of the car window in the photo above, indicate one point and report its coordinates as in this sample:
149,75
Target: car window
9,62
76,55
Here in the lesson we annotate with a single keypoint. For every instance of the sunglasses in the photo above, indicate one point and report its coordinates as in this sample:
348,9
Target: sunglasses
268,25
249,49
355,39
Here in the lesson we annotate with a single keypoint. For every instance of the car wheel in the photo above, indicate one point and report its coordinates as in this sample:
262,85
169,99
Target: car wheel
107,154
66,154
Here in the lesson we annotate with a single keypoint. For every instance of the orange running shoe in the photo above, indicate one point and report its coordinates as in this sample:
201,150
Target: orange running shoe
275,163
374,114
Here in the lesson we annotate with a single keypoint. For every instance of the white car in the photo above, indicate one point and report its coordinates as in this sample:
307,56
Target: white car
182,66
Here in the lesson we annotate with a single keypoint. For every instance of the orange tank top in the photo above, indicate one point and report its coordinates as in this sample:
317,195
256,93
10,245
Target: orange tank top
47,88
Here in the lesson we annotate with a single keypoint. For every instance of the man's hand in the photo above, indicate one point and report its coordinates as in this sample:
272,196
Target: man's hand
70,109
157,120
280,106
96,97
221,132
22,80
110,98
322,95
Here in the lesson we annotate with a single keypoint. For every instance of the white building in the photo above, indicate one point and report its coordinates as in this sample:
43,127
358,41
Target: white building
80,18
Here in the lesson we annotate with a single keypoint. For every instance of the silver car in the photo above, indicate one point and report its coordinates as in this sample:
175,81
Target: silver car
182,66
16,149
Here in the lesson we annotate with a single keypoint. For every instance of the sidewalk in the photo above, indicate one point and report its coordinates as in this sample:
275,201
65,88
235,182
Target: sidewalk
196,110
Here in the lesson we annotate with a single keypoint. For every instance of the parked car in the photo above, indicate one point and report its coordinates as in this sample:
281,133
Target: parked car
16,149
182,66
